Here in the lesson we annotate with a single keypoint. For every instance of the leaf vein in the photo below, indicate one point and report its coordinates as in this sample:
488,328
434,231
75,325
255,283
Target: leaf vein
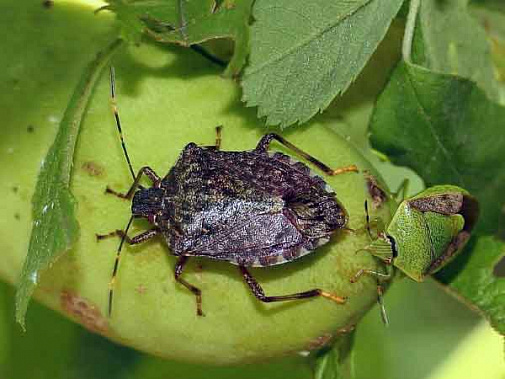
310,38
448,156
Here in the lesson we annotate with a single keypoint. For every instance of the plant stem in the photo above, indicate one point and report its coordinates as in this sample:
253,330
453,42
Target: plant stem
409,30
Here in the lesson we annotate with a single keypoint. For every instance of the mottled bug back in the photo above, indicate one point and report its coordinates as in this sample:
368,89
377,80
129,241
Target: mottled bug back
249,208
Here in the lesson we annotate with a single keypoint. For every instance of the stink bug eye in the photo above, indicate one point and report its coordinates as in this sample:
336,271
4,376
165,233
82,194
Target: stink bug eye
249,208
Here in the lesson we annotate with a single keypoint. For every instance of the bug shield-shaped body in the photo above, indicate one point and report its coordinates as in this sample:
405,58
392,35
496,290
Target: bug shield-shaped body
250,208
428,230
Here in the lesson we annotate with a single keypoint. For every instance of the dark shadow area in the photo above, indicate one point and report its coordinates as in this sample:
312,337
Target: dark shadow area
499,268
450,272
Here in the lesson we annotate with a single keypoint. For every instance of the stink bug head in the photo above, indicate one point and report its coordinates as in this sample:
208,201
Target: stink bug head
147,202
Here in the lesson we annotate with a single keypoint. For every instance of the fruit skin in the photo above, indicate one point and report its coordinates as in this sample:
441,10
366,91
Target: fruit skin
168,98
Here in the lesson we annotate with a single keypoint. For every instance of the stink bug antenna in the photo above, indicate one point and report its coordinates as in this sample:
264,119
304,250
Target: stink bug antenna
116,116
377,222
116,265
368,220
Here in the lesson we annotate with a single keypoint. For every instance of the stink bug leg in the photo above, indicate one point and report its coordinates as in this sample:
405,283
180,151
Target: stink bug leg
196,291
403,188
267,139
217,145
361,272
218,137
147,171
260,294
142,237
380,276
383,248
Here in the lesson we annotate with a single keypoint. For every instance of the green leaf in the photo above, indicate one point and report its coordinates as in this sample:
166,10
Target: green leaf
55,228
447,130
494,25
497,5
304,53
188,22
337,362
455,43
472,277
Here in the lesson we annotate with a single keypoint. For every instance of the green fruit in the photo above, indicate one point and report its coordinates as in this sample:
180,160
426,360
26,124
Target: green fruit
160,115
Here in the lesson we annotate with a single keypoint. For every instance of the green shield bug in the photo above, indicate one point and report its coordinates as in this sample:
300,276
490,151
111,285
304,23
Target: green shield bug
426,232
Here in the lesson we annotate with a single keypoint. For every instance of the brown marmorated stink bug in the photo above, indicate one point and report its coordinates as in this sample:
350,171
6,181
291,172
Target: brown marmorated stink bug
250,208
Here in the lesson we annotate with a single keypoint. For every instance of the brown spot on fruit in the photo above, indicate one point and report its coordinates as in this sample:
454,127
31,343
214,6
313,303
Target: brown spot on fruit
320,342
93,168
84,311
346,329
141,289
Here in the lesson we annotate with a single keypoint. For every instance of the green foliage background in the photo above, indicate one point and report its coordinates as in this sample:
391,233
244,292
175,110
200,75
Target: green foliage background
53,47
